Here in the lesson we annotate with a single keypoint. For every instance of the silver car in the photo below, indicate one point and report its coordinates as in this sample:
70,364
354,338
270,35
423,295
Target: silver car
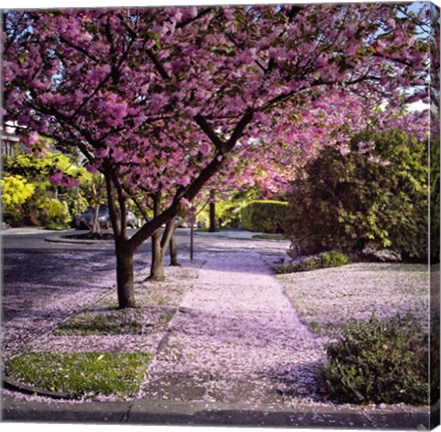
85,220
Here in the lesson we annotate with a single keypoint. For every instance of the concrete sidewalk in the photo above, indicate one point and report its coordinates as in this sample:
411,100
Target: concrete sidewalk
237,338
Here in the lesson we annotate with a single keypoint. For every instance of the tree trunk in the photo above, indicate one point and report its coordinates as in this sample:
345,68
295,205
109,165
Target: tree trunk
212,227
95,222
124,276
125,287
173,250
157,265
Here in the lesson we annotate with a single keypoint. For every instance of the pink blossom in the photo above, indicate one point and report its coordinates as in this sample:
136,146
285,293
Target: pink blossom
70,182
56,178
92,168
184,202
204,149
344,150
101,153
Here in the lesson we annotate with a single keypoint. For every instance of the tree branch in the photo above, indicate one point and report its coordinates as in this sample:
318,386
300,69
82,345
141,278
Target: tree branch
214,137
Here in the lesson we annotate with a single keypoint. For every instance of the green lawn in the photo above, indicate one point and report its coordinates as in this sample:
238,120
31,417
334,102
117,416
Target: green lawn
81,374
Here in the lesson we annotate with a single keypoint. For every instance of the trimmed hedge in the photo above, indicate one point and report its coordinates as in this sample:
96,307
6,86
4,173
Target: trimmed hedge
264,216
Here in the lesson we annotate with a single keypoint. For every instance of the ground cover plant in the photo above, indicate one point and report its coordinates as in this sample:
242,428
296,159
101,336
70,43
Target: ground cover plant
323,260
379,361
84,374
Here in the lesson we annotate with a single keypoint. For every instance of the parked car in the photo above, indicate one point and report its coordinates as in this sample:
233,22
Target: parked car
84,221
186,223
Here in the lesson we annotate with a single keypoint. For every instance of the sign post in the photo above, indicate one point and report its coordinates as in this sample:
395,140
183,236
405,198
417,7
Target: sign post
192,222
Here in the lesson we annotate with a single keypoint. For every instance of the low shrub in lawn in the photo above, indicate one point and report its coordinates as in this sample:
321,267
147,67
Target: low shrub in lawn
434,360
323,260
379,362
81,374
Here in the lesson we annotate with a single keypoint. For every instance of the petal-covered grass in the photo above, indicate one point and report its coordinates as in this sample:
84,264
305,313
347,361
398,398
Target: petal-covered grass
326,299
107,322
104,351
167,293
81,374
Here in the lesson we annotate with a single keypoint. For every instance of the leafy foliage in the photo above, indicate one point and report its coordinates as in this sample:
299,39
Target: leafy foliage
376,193
55,212
380,362
38,172
81,374
228,206
264,216
42,167
323,260
15,191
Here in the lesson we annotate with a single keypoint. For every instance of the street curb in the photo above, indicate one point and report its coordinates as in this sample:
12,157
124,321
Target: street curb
10,384
77,241
145,411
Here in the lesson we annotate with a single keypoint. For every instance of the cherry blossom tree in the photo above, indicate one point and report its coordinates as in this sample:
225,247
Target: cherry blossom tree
162,100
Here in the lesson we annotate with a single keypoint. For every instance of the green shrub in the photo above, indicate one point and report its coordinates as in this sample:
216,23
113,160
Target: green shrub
379,362
16,192
379,196
54,213
323,260
264,216
333,259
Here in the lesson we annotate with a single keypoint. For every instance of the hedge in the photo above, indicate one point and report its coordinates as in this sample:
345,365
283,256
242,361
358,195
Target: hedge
264,216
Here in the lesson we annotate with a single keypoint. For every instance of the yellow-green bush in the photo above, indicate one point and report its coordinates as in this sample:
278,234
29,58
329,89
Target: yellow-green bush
54,214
